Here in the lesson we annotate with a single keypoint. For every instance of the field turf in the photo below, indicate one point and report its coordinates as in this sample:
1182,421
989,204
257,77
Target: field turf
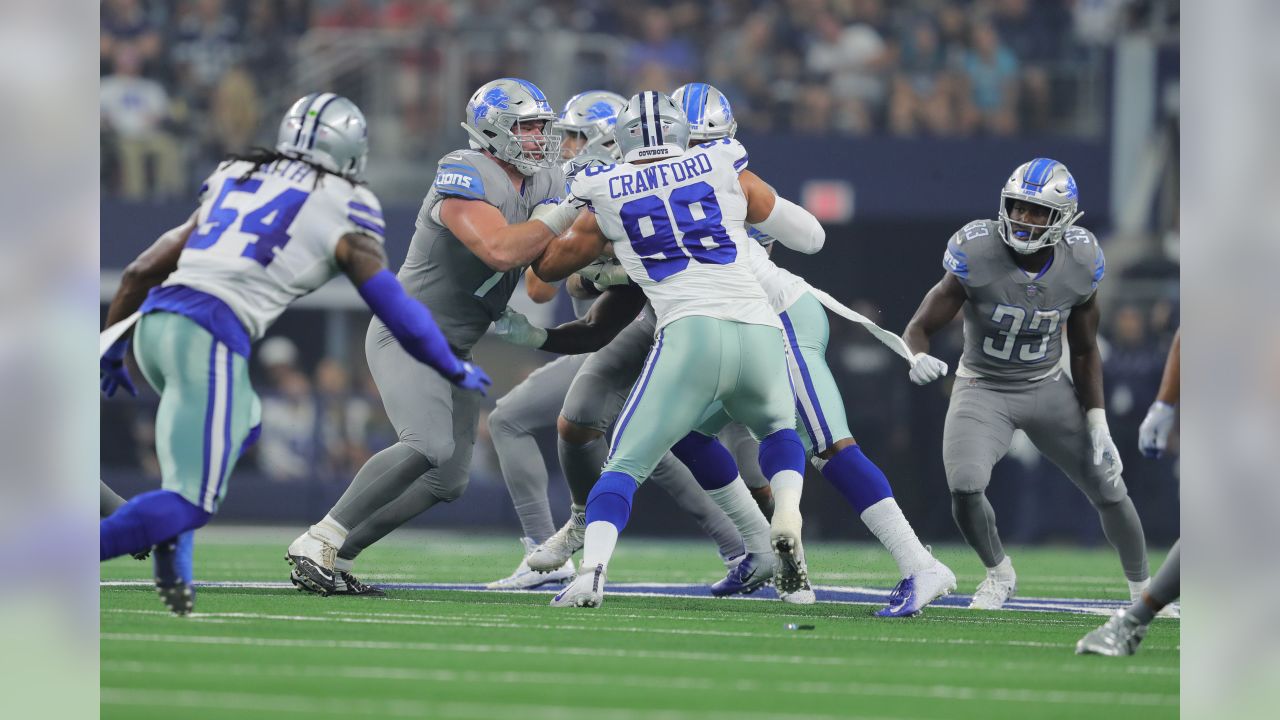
270,652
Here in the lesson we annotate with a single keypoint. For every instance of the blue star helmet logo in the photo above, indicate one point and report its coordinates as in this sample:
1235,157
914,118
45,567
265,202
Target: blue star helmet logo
602,111
495,98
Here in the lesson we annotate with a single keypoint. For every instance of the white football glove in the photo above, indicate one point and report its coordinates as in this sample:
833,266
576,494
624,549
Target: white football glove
926,368
605,273
1104,448
558,217
517,330
1153,434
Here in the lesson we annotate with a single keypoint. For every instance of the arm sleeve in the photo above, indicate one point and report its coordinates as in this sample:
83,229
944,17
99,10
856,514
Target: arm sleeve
410,322
794,227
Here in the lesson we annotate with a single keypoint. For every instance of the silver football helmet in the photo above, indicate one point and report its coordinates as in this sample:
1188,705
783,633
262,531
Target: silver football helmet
708,110
651,127
1043,182
327,130
592,115
493,113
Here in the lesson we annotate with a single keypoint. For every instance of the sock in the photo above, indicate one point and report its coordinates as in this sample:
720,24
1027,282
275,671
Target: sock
782,461
173,563
675,479
1123,528
710,462
108,500
382,479
522,467
330,530
977,522
787,487
581,465
736,502
857,478
410,504
1002,569
344,564
886,521
608,509
147,520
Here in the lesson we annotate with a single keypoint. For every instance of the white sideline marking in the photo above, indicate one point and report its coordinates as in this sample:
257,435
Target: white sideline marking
940,692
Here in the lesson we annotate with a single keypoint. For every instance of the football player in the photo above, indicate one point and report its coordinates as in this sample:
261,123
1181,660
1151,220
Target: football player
1123,632
472,243
718,340
271,228
1023,280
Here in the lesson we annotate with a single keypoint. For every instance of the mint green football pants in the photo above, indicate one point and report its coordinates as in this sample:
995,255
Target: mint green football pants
207,406
696,365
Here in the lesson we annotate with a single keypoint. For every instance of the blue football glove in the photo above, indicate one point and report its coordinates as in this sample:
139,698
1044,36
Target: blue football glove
472,378
113,373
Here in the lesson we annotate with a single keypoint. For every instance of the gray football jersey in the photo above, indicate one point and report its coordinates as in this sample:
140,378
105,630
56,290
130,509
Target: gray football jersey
1013,322
463,293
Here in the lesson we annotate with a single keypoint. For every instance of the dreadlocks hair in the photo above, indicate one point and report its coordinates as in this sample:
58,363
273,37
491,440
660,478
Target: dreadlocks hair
260,156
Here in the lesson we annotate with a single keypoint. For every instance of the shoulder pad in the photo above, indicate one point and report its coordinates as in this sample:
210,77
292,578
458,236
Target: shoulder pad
969,252
729,148
365,211
1086,254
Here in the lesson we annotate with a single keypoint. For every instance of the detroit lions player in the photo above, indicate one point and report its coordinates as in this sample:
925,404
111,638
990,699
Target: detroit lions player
587,123
819,406
1020,280
270,229
472,243
676,219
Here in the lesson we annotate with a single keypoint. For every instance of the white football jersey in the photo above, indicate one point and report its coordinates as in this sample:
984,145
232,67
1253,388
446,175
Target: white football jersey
266,241
782,287
678,228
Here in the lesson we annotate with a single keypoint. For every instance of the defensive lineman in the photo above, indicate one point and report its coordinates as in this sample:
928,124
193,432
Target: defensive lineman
270,228
473,241
677,222
1020,279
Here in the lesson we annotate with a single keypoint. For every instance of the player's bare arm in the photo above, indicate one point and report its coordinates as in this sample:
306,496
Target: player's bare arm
360,257
149,270
1153,434
1086,361
615,309
938,308
539,291
1171,382
575,249
482,228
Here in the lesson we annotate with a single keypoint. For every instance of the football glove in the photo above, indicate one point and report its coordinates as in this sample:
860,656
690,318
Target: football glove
1104,448
1153,434
605,273
926,368
516,329
112,371
472,378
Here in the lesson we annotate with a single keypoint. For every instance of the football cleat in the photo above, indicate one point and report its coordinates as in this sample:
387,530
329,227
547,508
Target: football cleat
792,575
918,590
525,578
172,564
312,560
1119,635
994,591
751,573
348,584
587,590
552,555
803,596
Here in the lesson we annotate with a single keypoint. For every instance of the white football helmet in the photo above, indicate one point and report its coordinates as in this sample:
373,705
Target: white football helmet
493,113
651,127
1043,182
708,110
326,130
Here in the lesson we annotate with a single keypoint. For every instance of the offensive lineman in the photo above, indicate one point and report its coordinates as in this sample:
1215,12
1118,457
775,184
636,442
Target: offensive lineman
473,240
676,219
271,228
1020,279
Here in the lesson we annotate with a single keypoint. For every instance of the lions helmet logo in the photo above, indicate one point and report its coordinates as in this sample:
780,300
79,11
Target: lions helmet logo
495,98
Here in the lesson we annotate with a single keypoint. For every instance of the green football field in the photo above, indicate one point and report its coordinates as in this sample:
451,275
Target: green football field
257,649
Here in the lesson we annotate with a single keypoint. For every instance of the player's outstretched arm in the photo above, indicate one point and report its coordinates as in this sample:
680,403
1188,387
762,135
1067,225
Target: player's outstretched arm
1086,373
149,270
774,215
616,308
575,249
364,262
482,228
1153,434
939,306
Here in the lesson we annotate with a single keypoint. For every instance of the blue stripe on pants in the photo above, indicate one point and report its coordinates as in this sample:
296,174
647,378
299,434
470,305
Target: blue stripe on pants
636,392
809,393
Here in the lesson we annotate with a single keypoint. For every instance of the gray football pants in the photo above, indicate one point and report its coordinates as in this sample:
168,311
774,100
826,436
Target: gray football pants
531,406
595,399
436,426
979,427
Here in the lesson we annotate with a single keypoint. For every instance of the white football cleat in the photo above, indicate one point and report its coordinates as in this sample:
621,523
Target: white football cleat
525,578
915,592
803,596
1119,635
587,590
552,555
312,560
994,591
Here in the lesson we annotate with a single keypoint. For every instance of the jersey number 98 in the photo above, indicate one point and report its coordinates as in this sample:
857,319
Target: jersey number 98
702,233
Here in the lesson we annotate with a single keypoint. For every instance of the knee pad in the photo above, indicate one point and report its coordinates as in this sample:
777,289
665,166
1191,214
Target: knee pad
780,451
968,478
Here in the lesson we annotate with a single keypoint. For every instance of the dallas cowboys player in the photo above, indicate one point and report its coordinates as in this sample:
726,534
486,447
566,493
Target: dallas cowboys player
712,314
473,240
819,406
270,229
1020,279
